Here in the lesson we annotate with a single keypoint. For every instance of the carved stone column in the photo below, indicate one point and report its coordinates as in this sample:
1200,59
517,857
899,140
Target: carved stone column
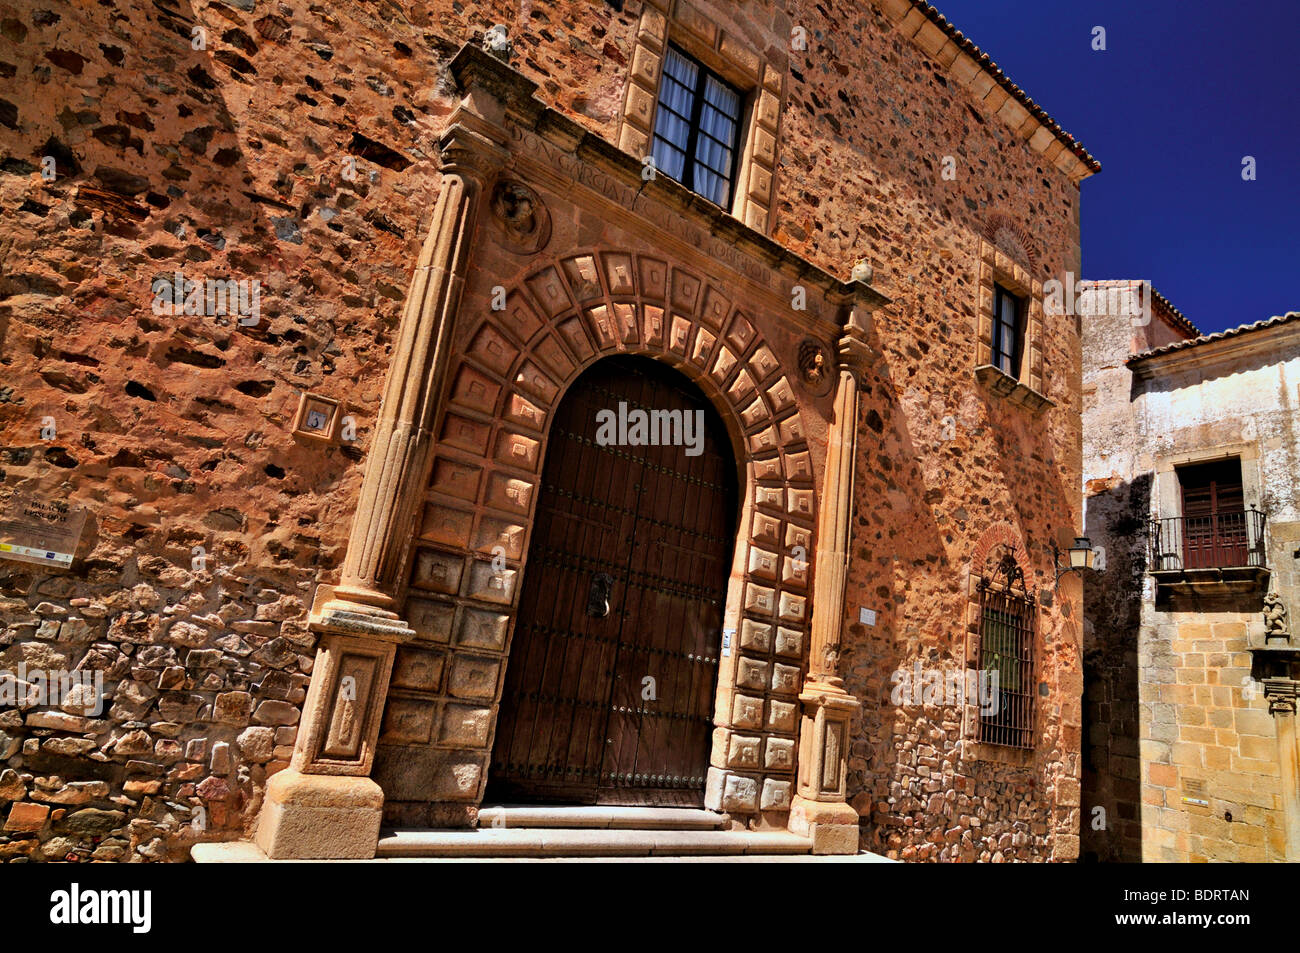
819,809
1282,694
325,804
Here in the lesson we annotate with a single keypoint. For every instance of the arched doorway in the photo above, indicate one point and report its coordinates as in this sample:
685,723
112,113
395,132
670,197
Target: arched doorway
609,687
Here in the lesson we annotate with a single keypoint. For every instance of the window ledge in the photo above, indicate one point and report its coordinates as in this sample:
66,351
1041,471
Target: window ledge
973,750
1004,385
1230,579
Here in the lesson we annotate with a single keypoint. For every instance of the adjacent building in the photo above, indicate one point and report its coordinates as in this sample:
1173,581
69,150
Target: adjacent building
1190,490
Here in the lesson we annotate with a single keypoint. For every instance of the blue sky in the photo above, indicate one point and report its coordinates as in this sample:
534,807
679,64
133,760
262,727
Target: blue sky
1181,94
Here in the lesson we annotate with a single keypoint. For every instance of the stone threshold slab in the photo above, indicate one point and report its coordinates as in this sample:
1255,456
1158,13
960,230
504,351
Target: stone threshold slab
242,852
560,842
496,816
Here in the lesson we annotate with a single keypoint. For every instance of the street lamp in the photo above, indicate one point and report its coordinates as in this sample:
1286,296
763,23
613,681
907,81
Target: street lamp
1081,555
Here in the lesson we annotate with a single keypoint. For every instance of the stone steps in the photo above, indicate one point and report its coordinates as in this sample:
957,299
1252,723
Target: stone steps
243,852
507,842
533,832
497,816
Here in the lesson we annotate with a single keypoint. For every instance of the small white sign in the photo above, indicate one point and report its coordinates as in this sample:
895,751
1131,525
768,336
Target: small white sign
726,641
867,616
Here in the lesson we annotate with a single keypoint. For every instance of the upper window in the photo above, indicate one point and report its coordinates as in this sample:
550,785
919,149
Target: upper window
696,128
1008,331
1215,530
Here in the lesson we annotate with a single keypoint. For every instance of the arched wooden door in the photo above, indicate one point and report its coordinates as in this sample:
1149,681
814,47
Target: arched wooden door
614,660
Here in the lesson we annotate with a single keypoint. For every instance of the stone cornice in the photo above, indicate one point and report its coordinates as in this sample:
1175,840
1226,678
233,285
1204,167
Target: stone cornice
475,71
971,67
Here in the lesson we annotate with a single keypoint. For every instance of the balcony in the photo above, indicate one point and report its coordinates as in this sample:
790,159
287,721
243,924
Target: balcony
1221,552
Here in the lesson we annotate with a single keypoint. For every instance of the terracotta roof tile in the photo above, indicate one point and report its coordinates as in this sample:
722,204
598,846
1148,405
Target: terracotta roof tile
1217,336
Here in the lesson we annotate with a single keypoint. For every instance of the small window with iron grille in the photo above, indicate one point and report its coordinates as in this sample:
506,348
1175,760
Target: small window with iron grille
1006,661
697,127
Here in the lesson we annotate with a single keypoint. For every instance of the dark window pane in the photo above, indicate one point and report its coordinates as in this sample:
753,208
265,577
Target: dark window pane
717,158
668,160
712,187
726,99
1007,331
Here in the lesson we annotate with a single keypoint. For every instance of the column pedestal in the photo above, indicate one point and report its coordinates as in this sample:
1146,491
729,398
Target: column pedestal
325,805
819,810
315,817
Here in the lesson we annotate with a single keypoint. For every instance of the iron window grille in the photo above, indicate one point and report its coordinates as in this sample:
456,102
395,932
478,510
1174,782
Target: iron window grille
1008,331
1006,650
697,125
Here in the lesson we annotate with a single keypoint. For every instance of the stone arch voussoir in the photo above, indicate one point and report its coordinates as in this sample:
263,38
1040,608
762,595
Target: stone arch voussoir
490,435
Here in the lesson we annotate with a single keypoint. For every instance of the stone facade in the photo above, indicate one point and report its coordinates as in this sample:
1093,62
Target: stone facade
1186,755
246,634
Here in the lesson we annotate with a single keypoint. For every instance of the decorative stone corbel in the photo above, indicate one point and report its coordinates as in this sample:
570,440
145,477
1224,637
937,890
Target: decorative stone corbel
820,810
325,804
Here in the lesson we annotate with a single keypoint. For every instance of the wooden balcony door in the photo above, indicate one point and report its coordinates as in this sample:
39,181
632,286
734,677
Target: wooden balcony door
614,661
1214,515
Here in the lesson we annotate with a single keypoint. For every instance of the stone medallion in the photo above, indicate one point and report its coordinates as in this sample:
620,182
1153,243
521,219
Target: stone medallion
816,367
523,223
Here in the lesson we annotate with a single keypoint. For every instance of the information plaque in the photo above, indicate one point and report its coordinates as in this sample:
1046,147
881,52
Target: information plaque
39,531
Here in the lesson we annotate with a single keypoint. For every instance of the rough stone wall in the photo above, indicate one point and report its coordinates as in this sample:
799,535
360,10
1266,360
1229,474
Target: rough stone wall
235,161
1173,717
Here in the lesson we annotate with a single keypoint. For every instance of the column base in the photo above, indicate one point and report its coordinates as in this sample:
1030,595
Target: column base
320,817
832,825
330,613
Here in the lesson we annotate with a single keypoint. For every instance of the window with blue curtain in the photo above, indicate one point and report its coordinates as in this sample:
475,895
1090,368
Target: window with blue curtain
696,128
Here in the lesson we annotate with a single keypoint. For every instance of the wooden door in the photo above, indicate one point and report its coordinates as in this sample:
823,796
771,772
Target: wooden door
1214,515
610,681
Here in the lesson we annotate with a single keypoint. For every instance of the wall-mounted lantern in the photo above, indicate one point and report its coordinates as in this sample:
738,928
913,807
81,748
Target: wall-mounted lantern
1081,555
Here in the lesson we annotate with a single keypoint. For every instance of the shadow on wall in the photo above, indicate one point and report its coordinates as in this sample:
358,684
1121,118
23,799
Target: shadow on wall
164,161
126,154
1111,816
898,553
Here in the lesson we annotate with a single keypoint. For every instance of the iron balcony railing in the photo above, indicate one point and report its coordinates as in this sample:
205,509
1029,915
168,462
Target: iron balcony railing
1228,540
